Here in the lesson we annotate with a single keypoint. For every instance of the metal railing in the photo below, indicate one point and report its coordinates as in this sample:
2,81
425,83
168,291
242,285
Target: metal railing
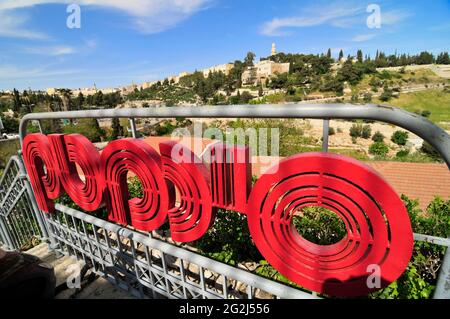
148,267
22,225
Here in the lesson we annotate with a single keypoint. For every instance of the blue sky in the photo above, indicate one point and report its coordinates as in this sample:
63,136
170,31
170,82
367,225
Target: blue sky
142,40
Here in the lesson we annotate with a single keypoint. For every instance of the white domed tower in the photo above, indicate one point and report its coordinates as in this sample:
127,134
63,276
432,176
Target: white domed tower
274,49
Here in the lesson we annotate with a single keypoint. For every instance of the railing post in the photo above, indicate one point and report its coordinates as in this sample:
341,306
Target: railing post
40,127
134,132
443,284
326,132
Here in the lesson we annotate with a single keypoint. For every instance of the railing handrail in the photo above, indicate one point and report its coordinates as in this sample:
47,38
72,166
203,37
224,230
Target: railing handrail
414,123
241,275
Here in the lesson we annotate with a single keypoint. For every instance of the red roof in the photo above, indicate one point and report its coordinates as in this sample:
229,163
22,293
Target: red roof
197,145
422,181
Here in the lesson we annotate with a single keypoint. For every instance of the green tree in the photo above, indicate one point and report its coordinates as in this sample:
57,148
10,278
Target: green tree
359,56
350,73
79,101
443,58
341,55
17,103
248,61
10,125
425,58
117,129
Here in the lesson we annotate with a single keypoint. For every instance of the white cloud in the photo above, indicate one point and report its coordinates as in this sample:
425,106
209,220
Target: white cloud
8,72
50,50
150,16
394,17
341,15
312,17
12,25
363,37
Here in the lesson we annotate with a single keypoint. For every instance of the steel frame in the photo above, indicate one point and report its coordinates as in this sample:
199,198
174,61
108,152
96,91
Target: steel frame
21,222
145,266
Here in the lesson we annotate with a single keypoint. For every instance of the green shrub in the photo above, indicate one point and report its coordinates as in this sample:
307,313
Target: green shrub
367,98
228,240
430,151
426,113
378,149
402,153
400,137
319,225
419,279
366,131
356,130
378,137
331,131
386,95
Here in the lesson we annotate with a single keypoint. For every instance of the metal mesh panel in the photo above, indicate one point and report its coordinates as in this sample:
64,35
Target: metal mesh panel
20,227
150,268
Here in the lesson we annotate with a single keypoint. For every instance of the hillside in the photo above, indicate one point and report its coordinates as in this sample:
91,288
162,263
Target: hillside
436,101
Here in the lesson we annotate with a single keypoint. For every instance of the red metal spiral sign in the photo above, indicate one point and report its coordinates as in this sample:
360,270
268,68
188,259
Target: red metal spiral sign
378,227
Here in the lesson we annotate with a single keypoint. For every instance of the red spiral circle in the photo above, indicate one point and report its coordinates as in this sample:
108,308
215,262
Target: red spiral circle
377,223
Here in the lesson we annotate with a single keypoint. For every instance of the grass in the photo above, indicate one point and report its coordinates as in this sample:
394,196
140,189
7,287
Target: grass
434,100
420,76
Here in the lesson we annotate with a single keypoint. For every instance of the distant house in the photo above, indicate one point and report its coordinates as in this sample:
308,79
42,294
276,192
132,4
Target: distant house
262,71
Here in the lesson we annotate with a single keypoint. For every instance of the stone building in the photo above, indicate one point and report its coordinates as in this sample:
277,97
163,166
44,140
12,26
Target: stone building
224,68
262,71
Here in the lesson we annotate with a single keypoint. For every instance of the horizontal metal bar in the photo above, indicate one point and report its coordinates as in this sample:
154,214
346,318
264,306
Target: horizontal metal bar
432,239
414,123
215,266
